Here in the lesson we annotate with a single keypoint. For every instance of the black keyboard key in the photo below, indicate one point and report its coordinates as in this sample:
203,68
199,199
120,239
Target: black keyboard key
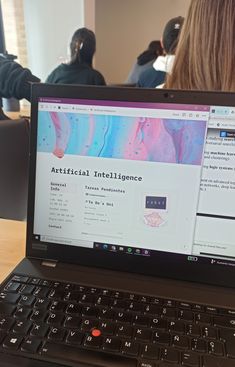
80,288
39,330
119,295
82,356
6,323
123,317
169,312
55,319
27,301
107,327
12,287
12,342
105,313
141,320
89,324
106,292
57,306
38,315
42,303
223,321
34,281
144,299
45,283
56,334
180,341
41,292
209,332
169,303
193,330
72,322
177,327
143,334
158,323
150,351
119,304
103,301
27,289
22,327
131,297
22,312
156,301
20,278
185,305
229,337
186,315
6,309
161,338
170,355
198,308
30,345
203,318
124,330
92,290
90,311
130,348
9,297
135,306
216,348
73,308
190,359
112,344
198,345
152,310
57,294
74,337
93,341
87,299
72,296
210,309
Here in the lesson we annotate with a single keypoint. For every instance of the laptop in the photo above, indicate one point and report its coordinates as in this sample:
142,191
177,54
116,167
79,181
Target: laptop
130,248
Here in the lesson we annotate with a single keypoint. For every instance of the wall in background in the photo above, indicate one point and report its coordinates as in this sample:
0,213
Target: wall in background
49,25
14,29
125,28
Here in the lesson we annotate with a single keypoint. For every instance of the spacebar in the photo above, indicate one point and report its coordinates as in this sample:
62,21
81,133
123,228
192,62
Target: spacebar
73,354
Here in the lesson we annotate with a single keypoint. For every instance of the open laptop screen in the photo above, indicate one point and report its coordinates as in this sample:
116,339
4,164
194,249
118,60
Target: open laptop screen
120,176
135,180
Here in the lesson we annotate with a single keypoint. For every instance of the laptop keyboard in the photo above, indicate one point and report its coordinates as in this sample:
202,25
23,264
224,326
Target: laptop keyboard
71,323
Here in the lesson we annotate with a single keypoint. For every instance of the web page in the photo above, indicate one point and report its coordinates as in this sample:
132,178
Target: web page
119,173
214,235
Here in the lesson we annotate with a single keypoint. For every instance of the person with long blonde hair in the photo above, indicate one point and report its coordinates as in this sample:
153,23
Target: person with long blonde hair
205,55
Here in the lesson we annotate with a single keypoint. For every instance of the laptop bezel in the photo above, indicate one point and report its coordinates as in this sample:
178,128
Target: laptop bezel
167,265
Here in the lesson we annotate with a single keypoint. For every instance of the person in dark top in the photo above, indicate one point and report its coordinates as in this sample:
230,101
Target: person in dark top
144,61
156,74
79,70
15,81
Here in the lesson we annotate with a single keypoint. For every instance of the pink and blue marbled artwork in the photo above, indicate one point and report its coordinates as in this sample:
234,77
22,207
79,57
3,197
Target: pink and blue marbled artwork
120,137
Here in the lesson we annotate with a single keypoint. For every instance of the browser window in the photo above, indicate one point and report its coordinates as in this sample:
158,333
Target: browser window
119,174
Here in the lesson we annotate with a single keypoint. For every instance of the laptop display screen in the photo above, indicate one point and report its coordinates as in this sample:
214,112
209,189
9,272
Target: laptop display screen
136,178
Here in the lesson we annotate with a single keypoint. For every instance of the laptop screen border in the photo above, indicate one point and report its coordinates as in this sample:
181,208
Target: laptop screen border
167,265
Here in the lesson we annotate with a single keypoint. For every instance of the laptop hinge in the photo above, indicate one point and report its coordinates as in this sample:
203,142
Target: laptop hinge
49,263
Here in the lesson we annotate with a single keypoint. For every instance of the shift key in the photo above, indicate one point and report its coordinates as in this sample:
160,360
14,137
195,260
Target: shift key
78,355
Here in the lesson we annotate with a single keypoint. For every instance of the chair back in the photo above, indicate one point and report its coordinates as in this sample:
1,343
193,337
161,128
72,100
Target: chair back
14,160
